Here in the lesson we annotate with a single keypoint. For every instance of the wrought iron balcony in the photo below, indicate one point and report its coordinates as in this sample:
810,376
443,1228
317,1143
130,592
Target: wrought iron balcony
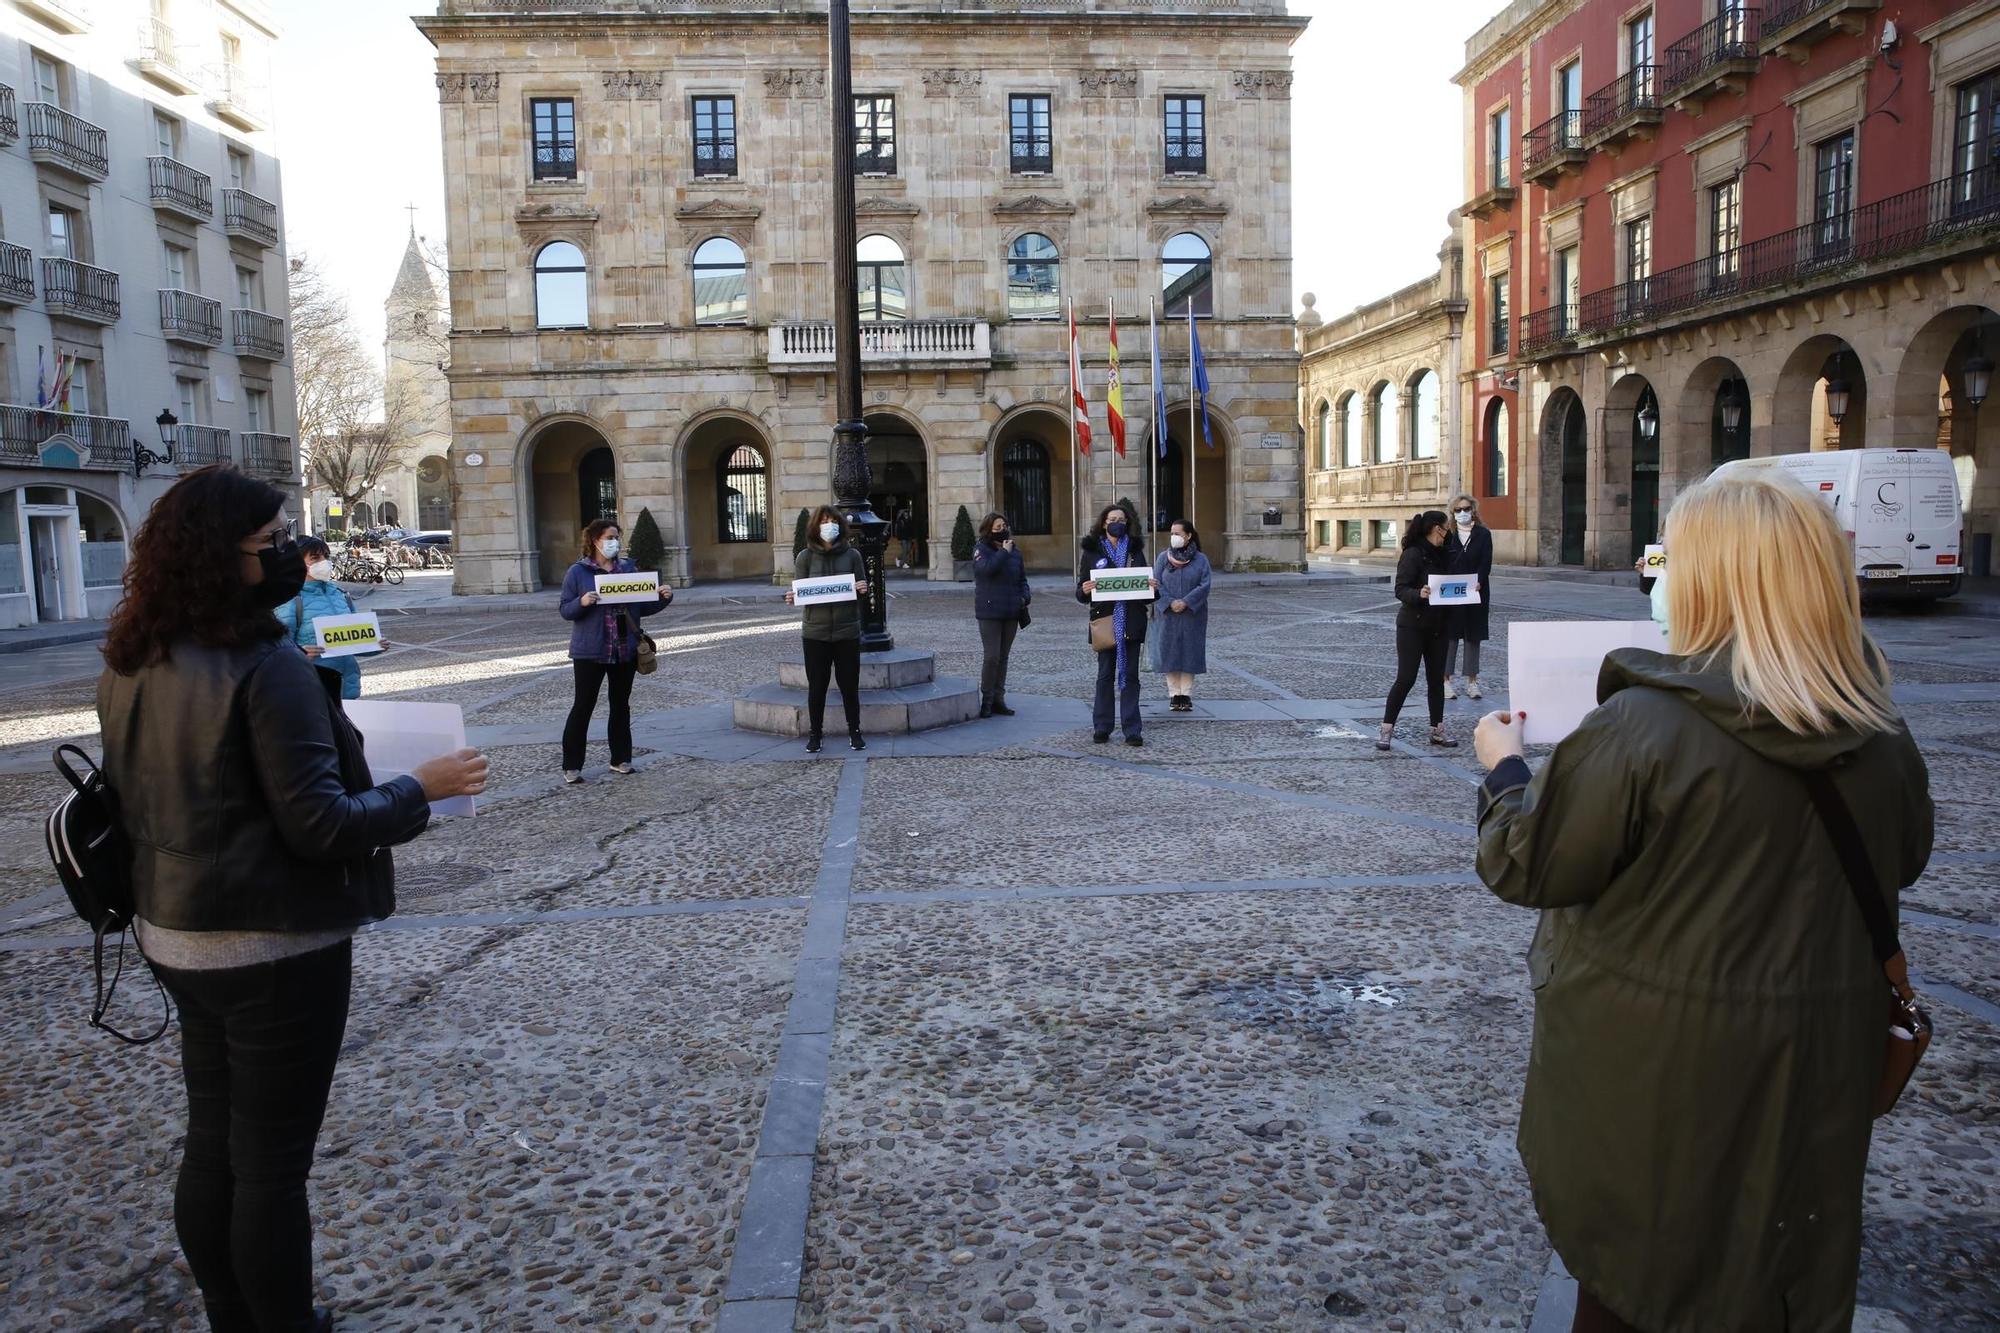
1549,330
1552,147
957,342
267,455
186,317
1626,108
161,57
68,16
234,98
1793,27
198,446
1715,59
17,274
80,291
99,443
58,139
179,188
256,334
250,218
10,121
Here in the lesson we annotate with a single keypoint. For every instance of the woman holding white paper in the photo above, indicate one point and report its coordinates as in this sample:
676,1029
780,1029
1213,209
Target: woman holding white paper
1420,627
603,646
830,632
1711,1015
321,597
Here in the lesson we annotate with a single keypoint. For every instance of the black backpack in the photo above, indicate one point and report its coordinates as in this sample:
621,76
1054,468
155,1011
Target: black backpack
94,863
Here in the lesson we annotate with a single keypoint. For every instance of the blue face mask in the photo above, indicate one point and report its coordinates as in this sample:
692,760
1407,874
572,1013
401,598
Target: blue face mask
1115,528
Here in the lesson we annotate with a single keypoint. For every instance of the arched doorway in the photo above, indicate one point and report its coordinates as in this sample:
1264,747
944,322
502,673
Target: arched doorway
364,517
900,467
389,513
1822,398
1632,438
1193,480
1030,453
1496,442
1566,477
1712,425
1946,377
731,523
574,479
433,494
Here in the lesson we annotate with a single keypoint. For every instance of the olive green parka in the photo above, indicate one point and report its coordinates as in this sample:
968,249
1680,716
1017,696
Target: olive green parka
1709,1018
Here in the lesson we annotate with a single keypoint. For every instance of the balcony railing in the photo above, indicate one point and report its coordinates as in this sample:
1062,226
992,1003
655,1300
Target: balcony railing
956,341
1554,144
179,188
186,317
80,290
1548,329
161,59
106,441
267,455
1791,27
1714,56
17,273
67,16
1614,111
257,334
10,121
198,446
232,97
58,139
249,217
1957,209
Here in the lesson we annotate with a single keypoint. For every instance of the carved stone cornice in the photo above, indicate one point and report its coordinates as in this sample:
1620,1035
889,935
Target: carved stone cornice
806,83
718,210
1033,206
952,82
481,87
1273,85
630,83
878,207
1188,206
539,218
1108,82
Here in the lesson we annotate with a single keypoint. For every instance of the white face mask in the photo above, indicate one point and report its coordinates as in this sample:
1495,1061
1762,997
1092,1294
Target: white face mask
829,531
1464,520
1178,541
322,570
610,548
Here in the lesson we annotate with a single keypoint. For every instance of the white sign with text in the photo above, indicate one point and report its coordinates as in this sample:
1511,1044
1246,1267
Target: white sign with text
348,636
637,586
1120,585
824,589
1454,590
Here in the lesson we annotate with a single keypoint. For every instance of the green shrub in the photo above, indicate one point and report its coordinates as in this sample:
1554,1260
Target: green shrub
801,530
646,549
963,539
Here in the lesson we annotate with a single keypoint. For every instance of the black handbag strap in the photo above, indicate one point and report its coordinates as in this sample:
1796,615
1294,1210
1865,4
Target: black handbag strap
1861,878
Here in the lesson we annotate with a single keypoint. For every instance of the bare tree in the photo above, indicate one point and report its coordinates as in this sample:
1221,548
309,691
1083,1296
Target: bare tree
360,446
331,372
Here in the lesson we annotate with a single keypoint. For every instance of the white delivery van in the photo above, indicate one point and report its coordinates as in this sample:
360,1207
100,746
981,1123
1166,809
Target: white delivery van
1899,508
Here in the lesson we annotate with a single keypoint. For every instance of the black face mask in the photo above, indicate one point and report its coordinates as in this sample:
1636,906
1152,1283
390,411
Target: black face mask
999,537
1115,529
284,575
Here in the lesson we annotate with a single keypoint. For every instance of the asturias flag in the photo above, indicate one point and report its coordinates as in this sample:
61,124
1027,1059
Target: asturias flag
1200,386
1079,411
1114,397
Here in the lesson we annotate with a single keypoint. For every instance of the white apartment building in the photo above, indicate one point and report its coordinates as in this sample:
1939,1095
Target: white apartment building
142,266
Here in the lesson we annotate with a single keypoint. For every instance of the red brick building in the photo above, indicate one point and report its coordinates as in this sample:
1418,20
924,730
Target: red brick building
1698,230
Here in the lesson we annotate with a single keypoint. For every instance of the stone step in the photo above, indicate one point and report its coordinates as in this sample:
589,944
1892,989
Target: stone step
781,710
894,670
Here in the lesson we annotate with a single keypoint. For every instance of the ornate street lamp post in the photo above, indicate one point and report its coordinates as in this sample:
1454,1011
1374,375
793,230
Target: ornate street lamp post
851,477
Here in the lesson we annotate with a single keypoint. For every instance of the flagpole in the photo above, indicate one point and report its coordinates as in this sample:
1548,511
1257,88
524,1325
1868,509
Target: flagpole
1194,460
1115,496
1075,536
1153,453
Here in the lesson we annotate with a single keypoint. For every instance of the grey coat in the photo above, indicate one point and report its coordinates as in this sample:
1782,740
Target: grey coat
1183,634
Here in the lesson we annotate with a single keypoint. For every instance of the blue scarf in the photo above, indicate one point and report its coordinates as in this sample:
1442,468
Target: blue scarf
1116,552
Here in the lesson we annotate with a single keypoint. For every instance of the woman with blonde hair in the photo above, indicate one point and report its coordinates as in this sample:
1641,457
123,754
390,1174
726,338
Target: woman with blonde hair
1471,552
1709,1012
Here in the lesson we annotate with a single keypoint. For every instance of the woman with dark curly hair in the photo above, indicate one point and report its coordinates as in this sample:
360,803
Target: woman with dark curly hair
259,846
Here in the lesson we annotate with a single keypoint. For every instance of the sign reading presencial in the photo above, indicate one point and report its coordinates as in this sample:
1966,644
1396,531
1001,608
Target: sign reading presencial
1552,668
1656,561
826,588
1120,585
402,735
639,586
1454,590
346,636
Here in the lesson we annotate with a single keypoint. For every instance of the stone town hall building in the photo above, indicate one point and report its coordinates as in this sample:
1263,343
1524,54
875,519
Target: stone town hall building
641,286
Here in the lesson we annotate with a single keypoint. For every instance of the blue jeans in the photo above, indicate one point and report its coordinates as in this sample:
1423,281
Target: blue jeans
1128,690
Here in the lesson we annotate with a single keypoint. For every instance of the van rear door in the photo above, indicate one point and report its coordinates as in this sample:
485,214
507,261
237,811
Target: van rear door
1934,516
1882,515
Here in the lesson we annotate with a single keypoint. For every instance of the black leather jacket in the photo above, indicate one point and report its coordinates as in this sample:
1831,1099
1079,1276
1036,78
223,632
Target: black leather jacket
245,795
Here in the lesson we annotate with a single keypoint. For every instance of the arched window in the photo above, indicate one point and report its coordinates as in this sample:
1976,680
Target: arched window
1383,437
1498,429
389,513
721,282
1325,436
561,289
1351,438
1426,416
364,515
1187,276
1024,487
882,279
433,494
1034,278
744,502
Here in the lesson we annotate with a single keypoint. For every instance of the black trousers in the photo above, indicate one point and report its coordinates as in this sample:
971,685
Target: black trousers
833,660
1126,690
1417,648
258,1046
997,638
590,676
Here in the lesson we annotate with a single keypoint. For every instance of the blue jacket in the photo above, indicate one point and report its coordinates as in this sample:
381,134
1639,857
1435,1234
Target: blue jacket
586,629
999,583
318,599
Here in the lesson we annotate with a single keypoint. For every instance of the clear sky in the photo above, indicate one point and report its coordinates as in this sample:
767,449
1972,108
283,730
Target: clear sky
1376,129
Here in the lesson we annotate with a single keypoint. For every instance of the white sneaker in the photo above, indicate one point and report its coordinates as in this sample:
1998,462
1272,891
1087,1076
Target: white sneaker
621,768
1449,692
1472,690
572,776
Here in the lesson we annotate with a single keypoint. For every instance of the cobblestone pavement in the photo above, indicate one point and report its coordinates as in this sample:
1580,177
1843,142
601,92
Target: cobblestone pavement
986,1029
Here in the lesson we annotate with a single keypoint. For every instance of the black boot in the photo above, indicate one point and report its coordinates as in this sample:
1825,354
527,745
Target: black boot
812,743
1000,708
985,706
854,741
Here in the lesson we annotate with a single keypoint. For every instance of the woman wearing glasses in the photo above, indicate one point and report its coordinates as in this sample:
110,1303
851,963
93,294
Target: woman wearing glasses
1471,552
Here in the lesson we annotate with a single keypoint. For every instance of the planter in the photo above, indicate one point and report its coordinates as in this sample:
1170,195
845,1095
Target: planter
961,571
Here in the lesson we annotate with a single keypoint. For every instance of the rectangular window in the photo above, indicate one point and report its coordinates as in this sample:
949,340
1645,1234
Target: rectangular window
63,243
1569,87
1569,289
1322,532
1725,227
1501,156
80,375
1350,532
1638,250
188,395
248,289
166,136
1975,144
48,80
257,409
239,169
1639,55
1386,533
1833,194
1187,136
177,268
554,122
714,136
1500,337
1030,144
874,135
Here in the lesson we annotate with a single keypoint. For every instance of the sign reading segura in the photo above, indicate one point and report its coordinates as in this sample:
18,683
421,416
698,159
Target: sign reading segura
1121,585
820,591
642,586
347,636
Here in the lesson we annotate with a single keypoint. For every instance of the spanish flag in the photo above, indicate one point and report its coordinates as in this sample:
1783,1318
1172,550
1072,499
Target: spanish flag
1114,397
